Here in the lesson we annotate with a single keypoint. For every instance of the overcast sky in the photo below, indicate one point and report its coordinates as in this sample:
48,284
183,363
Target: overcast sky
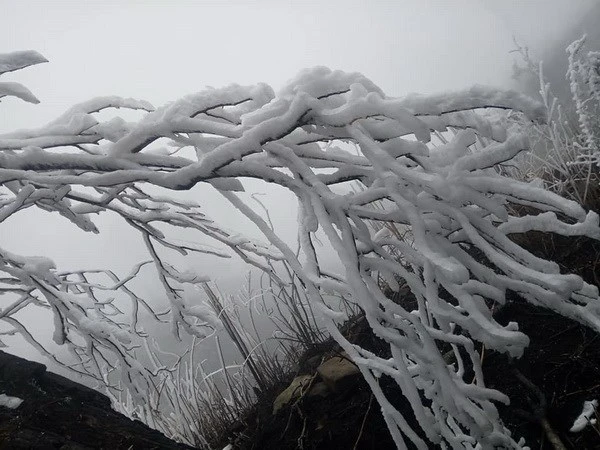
161,50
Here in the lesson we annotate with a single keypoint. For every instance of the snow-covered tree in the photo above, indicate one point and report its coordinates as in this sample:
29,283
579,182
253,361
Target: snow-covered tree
455,202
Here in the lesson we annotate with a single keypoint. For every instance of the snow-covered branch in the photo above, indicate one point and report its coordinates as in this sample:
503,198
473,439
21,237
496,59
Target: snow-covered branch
457,205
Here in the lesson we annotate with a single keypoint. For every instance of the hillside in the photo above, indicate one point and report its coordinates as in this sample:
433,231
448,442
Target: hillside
58,413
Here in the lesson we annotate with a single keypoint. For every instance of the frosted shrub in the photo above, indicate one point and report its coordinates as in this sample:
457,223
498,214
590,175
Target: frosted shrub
584,77
452,198
566,155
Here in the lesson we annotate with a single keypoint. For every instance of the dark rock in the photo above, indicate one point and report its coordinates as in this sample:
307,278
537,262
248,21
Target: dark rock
58,413
297,388
339,373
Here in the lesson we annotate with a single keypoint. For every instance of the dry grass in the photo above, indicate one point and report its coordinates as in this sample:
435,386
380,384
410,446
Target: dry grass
205,407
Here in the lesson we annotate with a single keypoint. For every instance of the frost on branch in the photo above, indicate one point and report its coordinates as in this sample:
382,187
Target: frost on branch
451,197
16,61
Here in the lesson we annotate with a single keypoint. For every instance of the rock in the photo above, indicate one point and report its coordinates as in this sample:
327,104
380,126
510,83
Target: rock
59,413
339,373
297,388
319,389
314,361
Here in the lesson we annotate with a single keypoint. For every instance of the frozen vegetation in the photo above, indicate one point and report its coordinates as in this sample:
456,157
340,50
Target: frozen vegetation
438,164
586,417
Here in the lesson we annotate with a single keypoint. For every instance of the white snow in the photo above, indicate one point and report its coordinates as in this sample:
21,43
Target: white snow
18,60
10,402
586,417
9,88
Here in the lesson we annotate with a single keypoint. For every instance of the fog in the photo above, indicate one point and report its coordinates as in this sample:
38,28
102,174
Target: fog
160,51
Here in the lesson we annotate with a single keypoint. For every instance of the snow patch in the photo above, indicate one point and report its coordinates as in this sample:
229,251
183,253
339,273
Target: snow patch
10,402
585,418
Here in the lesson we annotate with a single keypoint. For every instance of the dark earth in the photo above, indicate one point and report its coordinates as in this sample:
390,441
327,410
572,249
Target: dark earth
57,413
